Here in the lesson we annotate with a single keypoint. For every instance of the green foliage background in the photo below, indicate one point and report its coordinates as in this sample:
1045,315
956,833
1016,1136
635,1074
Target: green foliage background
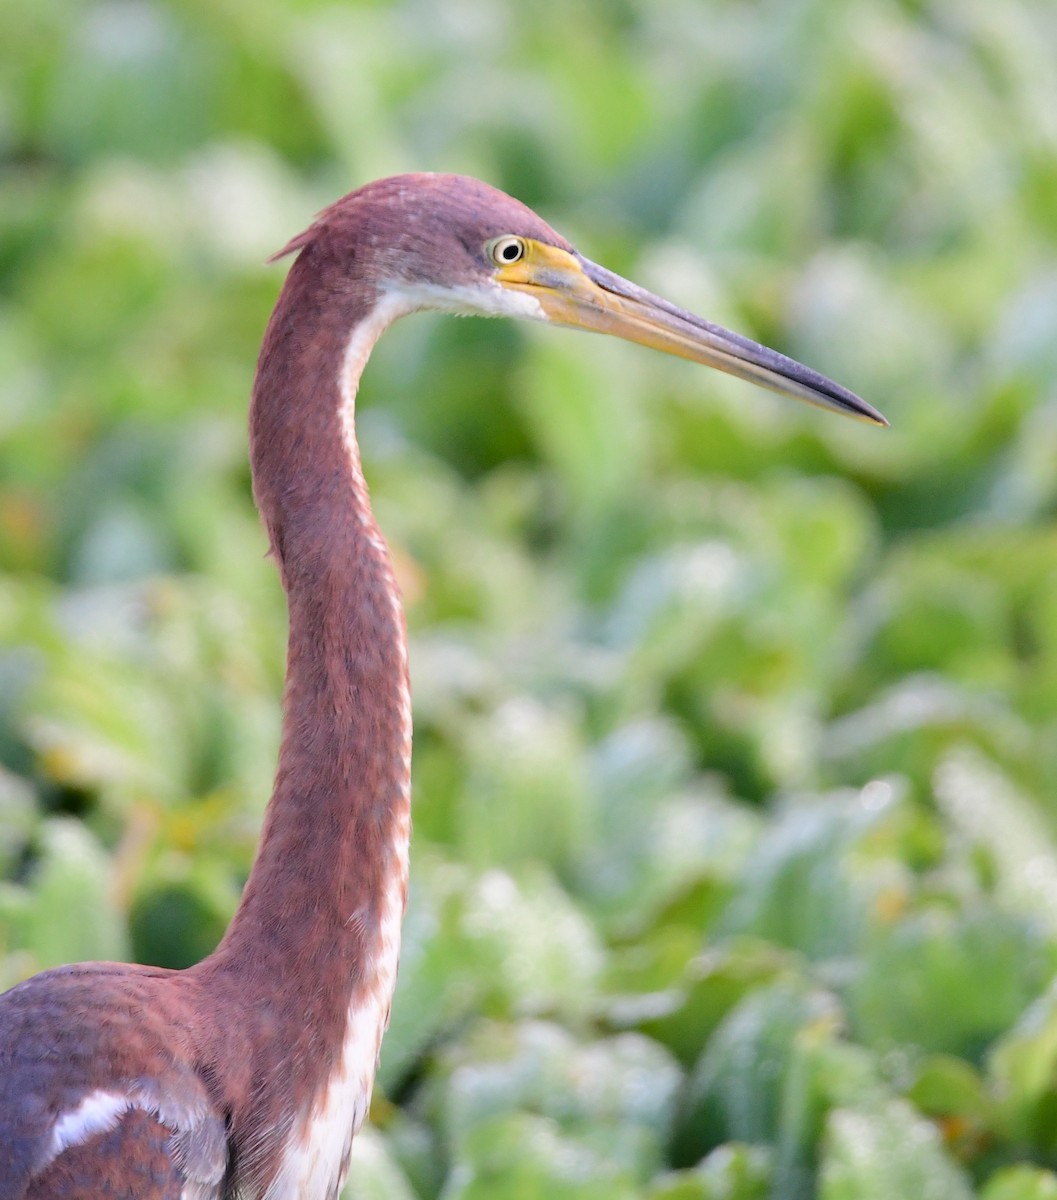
735,864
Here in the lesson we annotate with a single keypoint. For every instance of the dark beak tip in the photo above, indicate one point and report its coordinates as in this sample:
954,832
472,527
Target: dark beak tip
868,413
737,350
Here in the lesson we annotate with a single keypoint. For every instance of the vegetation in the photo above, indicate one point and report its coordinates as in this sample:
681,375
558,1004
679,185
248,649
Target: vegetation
735,863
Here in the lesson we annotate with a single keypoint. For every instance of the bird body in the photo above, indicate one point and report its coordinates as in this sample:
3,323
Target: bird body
249,1074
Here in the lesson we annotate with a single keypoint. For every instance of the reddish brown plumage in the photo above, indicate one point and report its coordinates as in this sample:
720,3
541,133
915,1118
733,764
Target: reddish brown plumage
128,1162
423,228
341,800
248,1041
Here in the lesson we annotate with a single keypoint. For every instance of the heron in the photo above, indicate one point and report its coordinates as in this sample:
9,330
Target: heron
249,1074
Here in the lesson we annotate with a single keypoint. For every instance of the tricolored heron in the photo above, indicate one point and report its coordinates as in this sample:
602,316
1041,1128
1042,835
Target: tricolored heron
249,1074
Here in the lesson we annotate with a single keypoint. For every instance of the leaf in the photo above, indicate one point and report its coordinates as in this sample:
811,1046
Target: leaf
886,1150
373,1173
514,942
655,837
950,1092
771,1072
525,1156
16,818
526,795
73,915
983,803
1023,1067
617,1094
685,1016
1021,1182
812,879
920,977
730,1172
536,948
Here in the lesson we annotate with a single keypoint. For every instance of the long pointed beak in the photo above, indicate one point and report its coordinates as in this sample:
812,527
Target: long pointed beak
573,291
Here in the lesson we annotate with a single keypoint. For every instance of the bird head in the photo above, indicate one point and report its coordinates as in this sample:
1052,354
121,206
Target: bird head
453,243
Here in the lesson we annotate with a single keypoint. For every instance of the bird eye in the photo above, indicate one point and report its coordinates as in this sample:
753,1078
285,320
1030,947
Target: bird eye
506,250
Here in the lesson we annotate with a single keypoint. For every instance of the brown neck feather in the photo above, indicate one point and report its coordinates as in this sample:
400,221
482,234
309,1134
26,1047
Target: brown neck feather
309,927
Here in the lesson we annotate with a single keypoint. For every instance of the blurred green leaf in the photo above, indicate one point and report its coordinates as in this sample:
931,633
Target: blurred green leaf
655,837
886,1150
516,943
954,1095
1023,1067
752,1077
912,967
526,1156
824,864
985,806
16,818
731,1172
526,794
74,911
616,1095
1020,1183
685,1016
373,1175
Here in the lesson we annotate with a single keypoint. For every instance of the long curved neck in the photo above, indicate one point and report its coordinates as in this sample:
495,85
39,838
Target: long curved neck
335,836
315,940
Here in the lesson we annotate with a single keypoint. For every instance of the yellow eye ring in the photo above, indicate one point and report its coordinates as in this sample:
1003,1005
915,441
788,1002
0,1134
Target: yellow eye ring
506,250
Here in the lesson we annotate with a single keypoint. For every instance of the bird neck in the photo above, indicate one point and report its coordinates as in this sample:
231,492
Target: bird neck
312,949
